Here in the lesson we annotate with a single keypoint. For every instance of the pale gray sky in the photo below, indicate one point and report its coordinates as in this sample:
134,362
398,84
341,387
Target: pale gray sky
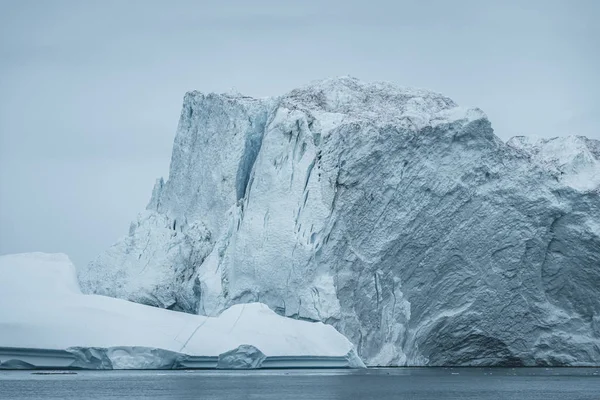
90,90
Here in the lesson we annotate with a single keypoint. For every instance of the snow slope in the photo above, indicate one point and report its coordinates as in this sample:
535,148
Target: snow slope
45,321
393,214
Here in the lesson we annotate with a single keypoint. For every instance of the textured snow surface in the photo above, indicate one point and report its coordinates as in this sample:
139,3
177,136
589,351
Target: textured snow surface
575,160
45,321
390,213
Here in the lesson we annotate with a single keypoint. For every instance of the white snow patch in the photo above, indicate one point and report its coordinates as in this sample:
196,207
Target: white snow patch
575,159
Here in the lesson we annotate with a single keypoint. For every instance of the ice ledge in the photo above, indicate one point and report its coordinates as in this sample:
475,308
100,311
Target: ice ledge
46,322
122,357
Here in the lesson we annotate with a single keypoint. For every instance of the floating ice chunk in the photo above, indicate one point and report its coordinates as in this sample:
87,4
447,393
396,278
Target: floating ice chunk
46,322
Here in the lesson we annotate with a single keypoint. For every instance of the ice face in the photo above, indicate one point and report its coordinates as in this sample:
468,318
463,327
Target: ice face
243,357
390,213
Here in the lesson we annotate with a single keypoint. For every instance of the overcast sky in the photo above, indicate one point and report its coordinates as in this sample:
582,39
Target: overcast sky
90,91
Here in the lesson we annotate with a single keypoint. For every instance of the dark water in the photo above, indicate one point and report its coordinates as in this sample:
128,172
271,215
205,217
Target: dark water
399,383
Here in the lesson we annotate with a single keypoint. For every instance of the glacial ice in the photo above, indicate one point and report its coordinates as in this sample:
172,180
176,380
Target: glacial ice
243,357
575,160
46,322
393,214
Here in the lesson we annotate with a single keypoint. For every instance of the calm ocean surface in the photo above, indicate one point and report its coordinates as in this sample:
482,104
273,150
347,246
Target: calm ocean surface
384,383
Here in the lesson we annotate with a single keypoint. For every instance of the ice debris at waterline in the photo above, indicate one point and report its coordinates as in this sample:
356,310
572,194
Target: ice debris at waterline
392,214
46,322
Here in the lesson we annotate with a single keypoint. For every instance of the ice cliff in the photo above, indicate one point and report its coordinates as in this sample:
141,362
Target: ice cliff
392,214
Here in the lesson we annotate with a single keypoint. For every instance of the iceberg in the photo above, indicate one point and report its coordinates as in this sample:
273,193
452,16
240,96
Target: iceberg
46,322
393,214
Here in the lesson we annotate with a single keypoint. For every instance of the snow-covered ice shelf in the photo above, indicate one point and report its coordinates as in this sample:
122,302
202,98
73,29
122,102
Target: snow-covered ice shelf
46,322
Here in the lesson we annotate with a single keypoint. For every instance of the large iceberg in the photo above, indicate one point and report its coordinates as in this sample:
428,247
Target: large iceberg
393,214
46,322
